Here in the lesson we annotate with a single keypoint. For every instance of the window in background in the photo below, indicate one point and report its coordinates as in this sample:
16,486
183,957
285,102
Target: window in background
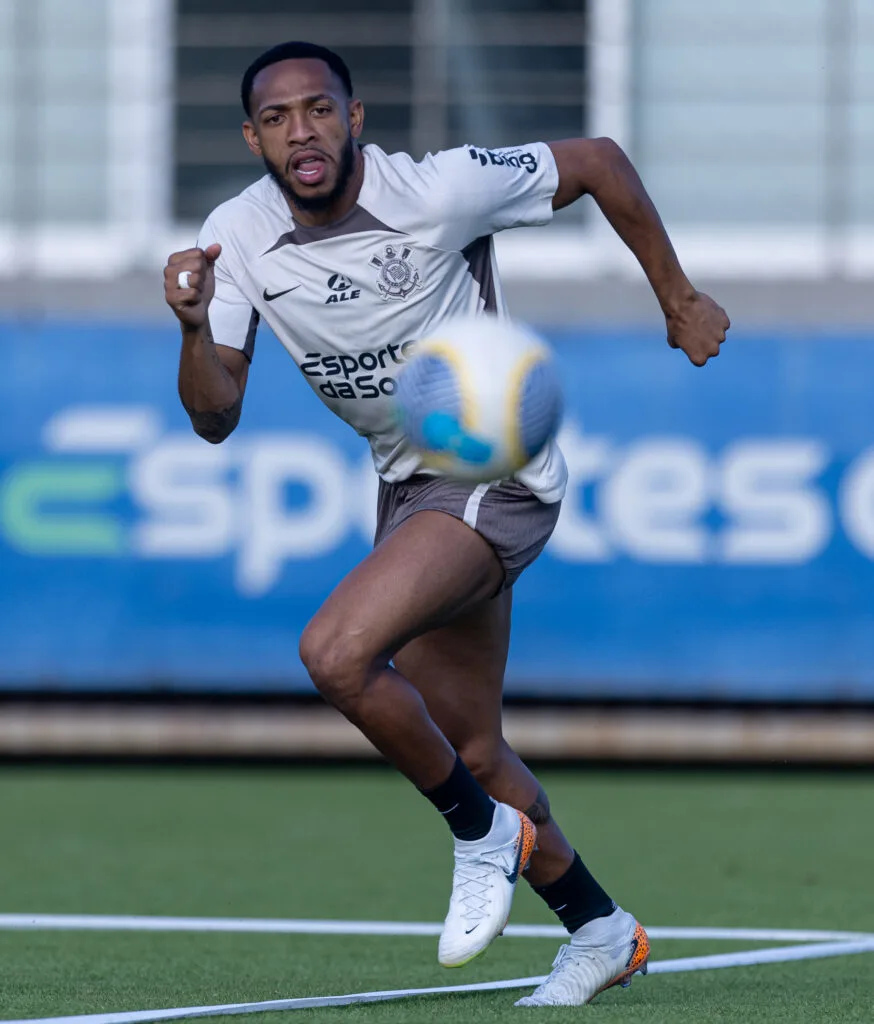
858,142
431,73
756,112
217,39
516,71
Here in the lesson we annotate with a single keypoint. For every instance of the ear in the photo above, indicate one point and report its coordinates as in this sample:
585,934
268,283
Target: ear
251,137
356,118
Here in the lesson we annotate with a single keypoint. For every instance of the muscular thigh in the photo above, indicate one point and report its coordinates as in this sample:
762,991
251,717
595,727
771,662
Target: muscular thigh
459,671
430,570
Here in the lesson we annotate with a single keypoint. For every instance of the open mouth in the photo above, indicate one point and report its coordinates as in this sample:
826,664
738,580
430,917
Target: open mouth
309,167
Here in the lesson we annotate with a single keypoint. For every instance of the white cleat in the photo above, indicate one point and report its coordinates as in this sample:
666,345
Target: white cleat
483,883
603,953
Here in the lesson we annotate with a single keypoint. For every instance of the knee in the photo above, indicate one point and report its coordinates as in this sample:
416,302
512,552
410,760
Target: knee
336,662
483,757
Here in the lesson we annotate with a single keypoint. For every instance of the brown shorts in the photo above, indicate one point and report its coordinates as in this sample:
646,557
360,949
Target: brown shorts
507,514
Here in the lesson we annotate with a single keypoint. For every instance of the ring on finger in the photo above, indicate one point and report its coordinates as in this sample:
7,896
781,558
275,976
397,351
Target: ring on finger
183,278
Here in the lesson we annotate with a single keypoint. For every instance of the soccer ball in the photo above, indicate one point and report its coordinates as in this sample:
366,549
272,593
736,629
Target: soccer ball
479,398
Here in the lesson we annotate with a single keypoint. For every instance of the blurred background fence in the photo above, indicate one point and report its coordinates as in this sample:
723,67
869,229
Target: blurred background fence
717,543
751,122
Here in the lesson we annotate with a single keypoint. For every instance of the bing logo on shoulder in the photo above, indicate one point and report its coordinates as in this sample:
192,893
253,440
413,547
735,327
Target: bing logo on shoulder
342,289
504,158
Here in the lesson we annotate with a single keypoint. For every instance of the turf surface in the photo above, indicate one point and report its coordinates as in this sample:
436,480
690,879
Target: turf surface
789,851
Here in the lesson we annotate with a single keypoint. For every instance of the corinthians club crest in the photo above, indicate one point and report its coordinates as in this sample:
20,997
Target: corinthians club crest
396,276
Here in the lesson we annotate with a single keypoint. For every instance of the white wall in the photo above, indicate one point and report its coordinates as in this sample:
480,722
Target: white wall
53,89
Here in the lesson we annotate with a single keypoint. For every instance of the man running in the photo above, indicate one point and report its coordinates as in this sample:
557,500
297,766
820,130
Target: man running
350,255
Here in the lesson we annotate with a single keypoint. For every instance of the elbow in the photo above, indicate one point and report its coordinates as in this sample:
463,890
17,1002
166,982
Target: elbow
216,426
212,435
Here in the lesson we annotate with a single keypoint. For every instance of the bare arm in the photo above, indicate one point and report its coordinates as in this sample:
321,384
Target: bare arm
599,168
212,382
212,378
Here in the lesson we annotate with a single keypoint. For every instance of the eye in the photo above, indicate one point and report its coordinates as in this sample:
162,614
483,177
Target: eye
274,119
321,110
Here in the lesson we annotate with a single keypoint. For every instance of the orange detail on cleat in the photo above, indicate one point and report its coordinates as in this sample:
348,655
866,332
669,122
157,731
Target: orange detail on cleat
636,962
527,840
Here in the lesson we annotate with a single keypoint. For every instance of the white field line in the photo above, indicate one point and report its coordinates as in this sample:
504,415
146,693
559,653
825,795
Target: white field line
696,963
750,958
112,922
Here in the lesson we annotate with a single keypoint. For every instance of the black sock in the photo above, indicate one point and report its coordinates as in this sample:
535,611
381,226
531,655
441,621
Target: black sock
576,897
462,801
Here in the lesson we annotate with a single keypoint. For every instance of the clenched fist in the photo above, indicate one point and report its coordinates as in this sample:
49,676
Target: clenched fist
698,327
190,303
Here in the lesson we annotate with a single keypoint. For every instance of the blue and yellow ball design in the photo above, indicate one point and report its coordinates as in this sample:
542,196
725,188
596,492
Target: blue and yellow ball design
479,398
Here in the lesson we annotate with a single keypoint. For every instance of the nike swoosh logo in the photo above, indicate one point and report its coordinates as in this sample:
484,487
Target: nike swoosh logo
469,930
513,876
269,298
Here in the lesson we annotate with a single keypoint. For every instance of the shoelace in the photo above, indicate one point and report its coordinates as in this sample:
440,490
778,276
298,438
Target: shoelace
564,958
472,882
568,956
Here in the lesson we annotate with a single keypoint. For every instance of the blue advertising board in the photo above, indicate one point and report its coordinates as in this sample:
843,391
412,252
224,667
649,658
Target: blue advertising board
717,541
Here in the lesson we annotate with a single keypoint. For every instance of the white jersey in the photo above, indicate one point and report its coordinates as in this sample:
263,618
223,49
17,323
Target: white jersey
349,300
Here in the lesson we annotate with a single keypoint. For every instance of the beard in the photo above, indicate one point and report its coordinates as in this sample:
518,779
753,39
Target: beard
317,204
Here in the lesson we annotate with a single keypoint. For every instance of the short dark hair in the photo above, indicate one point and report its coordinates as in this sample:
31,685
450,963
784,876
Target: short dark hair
293,51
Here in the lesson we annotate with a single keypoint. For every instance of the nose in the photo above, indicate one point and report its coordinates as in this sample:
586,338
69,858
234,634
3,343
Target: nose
300,129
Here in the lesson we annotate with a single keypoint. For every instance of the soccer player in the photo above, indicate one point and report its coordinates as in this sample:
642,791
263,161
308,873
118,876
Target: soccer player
351,254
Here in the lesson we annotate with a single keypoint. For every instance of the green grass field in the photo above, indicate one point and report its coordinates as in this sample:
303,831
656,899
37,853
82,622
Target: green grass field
790,851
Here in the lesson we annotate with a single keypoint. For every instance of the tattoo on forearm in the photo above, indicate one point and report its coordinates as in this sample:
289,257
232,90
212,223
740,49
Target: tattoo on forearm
539,811
210,346
215,426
